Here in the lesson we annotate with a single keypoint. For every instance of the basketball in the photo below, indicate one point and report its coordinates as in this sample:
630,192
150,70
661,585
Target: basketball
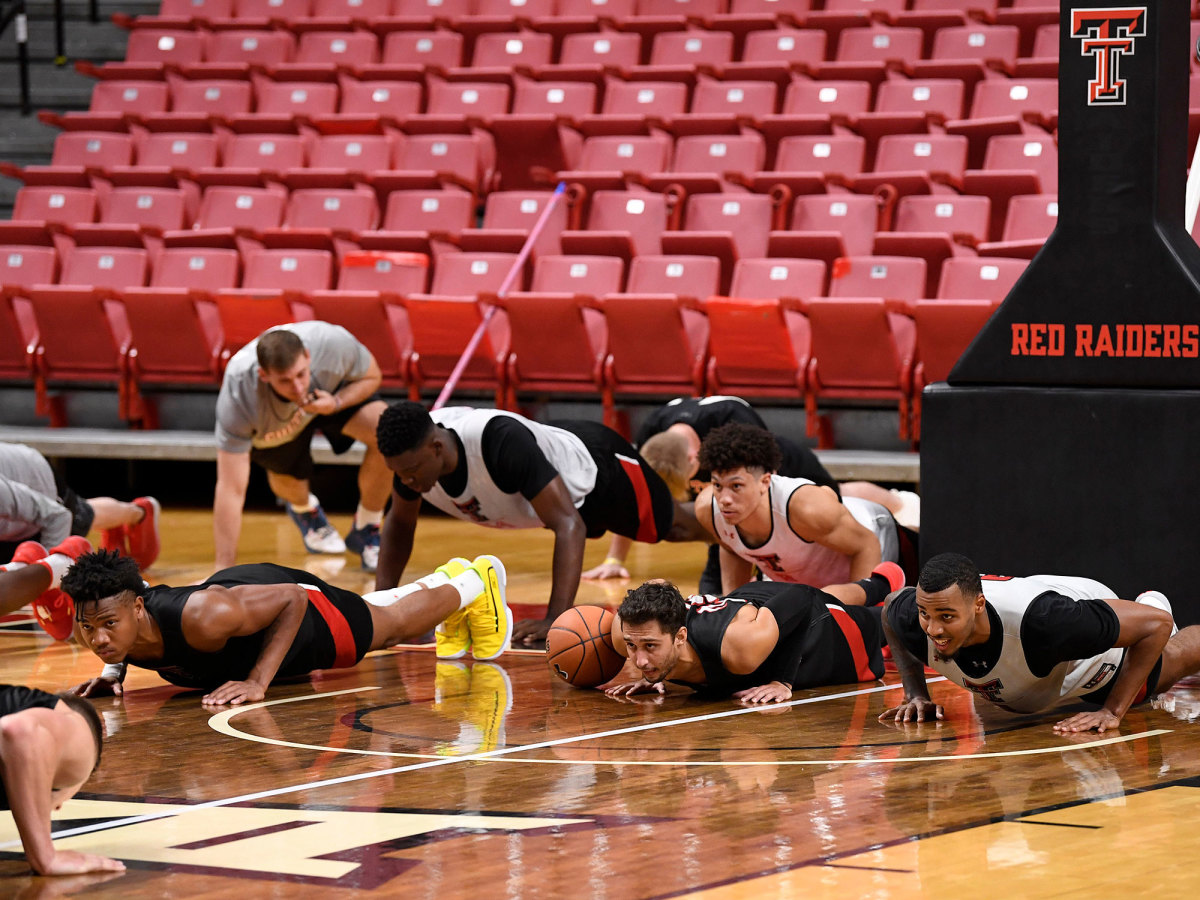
579,647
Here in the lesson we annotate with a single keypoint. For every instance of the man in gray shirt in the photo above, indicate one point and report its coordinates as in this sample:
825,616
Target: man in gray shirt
35,504
278,390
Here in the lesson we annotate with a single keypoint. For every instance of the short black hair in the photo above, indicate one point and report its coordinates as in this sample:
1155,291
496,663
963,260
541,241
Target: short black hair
946,569
278,349
654,601
403,426
736,446
101,574
85,709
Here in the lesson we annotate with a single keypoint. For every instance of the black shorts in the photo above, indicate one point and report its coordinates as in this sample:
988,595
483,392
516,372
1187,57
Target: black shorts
849,648
82,514
295,457
629,499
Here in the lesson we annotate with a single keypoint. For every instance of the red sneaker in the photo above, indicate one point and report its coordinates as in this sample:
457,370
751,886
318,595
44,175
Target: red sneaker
143,536
115,539
74,547
55,612
892,572
29,552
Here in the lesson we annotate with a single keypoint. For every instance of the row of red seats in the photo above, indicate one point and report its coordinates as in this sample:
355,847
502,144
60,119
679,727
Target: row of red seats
617,346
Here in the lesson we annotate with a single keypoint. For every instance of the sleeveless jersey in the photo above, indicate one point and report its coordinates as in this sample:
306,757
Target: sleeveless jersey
785,556
336,630
15,698
1010,683
482,501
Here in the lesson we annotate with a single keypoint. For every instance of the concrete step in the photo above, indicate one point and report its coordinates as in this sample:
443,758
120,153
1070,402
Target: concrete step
50,87
98,42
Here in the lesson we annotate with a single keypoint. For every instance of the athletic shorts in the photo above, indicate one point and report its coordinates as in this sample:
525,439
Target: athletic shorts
850,651
1145,692
82,514
629,499
295,457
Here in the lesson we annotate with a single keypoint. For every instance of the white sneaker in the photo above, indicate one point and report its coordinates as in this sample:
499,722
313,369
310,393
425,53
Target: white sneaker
319,536
1158,600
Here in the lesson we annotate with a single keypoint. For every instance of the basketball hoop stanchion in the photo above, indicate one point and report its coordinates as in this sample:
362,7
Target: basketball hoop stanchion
517,265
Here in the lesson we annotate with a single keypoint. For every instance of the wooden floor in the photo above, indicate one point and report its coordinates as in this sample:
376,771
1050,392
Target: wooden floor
410,778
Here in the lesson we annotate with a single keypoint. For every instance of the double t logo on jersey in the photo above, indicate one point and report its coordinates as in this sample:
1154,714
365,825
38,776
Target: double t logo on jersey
1107,34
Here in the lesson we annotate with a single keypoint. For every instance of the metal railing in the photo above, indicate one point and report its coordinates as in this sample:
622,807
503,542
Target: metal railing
15,14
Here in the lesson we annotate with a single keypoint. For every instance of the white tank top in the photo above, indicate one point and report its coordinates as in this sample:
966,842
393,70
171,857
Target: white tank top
1010,683
482,501
785,556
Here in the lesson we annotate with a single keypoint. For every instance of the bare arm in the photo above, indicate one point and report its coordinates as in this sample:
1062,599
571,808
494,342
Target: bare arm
614,564
735,571
324,403
396,541
212,616
916,705
233,474
1145,630
816,515
554,507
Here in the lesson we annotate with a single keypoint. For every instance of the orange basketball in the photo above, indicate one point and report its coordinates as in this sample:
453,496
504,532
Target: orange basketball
579,647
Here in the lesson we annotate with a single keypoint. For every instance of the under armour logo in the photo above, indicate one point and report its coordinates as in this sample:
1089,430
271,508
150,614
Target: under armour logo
1107,34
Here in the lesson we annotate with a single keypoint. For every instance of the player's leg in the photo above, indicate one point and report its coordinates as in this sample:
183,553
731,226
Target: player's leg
22,584
289,469
111,513
374,484
1180,658
885,578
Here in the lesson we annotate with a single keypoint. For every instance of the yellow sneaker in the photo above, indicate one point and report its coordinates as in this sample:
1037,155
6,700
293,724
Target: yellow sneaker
489,703
452,638
488,617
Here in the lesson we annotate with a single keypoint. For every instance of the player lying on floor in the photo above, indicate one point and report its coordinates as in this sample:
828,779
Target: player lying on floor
49,746
758,643
1030,644
248,625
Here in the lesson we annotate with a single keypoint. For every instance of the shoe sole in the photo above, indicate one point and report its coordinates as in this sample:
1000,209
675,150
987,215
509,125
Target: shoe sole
501,575
29,556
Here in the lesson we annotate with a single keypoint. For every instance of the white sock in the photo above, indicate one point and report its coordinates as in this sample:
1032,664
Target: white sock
391,595
12,566
364,517
57,563
469,585
313,503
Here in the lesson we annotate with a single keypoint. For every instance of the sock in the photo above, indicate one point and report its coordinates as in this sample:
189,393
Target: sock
57,563
877,587
12,566
391,595
469,585
364,517
313,503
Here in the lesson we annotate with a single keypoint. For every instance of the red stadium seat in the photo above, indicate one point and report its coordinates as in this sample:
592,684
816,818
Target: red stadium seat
155,209
382,99
508,220
441,328
288,270
206,97
270,153
353,153
1014,165
92,149
879,43
382,327
132,98
706,162
944,329
223,207
251,47
998,45
62,205
758,347
1030,220
21,267
196,268
911,106
890,277
696,277
505,51
828,226
1004,106
426,211
334,209
690,48
629,106
272,9
294,98
861,351
559,98
592,276
337,48
726,226
979,278
173,46
935,227
383,272
917,163
178,150
757,279
620,223
597,51
423,49
572,363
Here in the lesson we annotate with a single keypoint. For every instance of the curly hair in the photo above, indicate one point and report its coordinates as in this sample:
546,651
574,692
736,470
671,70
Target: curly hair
101,574
654,601
278,349
948,569
403,426
737,446
667,454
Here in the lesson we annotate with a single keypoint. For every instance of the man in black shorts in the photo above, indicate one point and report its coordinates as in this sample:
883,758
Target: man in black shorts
758,644
1031,644
49,746
579,479
247,626
277,392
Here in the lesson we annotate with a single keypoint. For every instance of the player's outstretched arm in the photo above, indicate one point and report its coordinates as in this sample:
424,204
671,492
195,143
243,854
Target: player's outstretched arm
916,705
554,507
817,516
28,758
396,541
1145,630
216,614
614,564
233,474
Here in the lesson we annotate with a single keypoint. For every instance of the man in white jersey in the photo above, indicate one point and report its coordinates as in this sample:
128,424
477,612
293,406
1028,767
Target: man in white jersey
278,391
792,529
579,479
1030,644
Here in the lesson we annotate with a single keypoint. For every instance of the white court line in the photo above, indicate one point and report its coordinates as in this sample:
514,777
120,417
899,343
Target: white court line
222,717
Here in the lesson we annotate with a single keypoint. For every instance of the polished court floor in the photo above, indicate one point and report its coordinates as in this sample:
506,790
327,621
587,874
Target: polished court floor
405,777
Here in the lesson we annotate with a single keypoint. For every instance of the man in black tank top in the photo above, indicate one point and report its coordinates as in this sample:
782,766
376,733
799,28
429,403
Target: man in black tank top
758,644
49,746
248,625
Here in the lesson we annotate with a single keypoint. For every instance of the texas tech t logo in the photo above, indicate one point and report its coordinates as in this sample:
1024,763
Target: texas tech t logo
1107,34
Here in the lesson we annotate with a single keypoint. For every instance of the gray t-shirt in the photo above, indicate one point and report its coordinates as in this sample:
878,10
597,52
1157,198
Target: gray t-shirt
250,414
29,502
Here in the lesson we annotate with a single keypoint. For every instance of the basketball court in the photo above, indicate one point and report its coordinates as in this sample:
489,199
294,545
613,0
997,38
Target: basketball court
408,777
